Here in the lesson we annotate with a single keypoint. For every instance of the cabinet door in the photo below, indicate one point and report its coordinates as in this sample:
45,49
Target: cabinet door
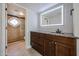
38,47
63,49
48,48
34,37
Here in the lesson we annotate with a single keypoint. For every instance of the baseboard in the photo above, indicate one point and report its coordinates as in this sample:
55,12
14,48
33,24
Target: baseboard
29,47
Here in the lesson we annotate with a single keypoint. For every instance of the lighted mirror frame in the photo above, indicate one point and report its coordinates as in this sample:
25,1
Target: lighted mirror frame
51,10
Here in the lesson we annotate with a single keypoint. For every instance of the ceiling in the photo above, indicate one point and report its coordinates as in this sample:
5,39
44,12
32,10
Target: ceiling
37,7
15,10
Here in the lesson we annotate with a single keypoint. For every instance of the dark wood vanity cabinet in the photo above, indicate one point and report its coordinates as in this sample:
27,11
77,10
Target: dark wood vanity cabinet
53,45
37,42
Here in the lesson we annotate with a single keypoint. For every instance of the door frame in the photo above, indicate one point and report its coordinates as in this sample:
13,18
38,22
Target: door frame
27,32
4,38
3,44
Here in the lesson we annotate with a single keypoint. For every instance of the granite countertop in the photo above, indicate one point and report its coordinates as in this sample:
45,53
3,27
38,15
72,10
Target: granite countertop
58,34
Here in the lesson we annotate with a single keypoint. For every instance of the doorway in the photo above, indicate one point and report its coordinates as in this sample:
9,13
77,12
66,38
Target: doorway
16,30
15,27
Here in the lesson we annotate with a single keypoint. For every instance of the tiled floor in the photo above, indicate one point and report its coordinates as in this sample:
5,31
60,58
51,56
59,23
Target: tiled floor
18,49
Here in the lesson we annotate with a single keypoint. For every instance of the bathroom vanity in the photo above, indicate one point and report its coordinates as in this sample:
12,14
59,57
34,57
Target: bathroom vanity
53,44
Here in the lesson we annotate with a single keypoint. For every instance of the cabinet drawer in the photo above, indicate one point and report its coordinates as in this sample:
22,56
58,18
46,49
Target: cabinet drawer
35,34
42,35
38,41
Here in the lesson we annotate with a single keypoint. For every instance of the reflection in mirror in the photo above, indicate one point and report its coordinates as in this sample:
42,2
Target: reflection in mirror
52,17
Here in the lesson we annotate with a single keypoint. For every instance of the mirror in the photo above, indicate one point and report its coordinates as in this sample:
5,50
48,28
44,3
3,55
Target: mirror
52,17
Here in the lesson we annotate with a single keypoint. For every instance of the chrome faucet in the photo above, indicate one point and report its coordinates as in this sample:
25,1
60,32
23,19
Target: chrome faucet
58,31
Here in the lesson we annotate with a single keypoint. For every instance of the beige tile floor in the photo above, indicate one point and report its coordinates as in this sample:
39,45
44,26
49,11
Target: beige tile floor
18,49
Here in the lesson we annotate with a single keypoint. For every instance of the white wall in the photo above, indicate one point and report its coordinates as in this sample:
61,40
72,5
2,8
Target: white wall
31,24
67,28
32,17
76,23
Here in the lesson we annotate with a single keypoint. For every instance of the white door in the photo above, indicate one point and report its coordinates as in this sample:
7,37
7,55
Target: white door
76,23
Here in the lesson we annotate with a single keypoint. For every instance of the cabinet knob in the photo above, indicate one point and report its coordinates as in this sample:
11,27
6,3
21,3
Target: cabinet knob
55,42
